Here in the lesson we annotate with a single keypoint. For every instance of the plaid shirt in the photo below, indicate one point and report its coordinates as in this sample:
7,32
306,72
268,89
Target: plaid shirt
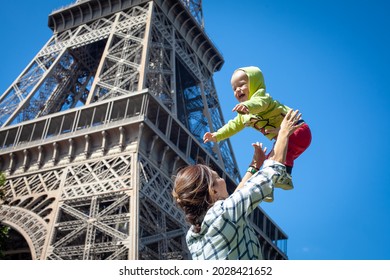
226,232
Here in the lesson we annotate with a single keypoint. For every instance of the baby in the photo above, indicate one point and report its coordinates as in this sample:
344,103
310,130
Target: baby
259,110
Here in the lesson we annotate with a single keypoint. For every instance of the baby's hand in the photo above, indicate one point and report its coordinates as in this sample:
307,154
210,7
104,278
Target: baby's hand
209,137
241,109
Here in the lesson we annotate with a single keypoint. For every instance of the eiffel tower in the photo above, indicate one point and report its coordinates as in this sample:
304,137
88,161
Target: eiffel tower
94,128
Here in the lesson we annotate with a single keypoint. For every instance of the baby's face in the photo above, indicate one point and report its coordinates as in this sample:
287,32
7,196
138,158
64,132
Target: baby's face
240,85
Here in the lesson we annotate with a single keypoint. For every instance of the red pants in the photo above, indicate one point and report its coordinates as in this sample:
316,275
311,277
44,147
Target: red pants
298,142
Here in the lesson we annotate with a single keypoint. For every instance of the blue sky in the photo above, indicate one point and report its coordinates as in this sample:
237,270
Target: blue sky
329,59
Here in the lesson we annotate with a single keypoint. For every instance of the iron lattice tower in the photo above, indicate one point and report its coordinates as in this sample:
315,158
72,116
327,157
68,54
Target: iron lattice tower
94,128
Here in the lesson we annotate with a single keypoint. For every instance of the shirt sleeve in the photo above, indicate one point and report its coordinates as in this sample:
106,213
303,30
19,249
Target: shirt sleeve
232,127
242,202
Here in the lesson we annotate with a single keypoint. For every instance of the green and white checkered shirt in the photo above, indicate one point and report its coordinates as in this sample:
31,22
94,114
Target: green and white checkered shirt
226,232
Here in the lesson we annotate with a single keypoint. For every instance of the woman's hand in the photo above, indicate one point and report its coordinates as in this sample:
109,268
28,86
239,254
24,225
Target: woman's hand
287,127
289,123
257,162
258,155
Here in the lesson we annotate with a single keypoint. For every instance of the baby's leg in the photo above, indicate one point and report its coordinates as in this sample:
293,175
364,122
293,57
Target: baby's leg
298,142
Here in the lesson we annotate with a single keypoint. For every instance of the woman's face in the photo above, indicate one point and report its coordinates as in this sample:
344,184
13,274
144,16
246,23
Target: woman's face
219,187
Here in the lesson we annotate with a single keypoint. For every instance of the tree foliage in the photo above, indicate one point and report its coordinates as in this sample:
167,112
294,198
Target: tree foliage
3,229
2,191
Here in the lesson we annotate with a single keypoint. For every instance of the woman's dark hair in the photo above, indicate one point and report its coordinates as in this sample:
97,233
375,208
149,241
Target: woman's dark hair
192,192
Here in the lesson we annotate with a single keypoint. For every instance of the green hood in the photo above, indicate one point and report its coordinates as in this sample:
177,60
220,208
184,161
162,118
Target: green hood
255,78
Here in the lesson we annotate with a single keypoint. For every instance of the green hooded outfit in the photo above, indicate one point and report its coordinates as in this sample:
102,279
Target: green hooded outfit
264,112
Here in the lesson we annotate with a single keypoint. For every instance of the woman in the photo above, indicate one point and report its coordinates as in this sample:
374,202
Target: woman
220,228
